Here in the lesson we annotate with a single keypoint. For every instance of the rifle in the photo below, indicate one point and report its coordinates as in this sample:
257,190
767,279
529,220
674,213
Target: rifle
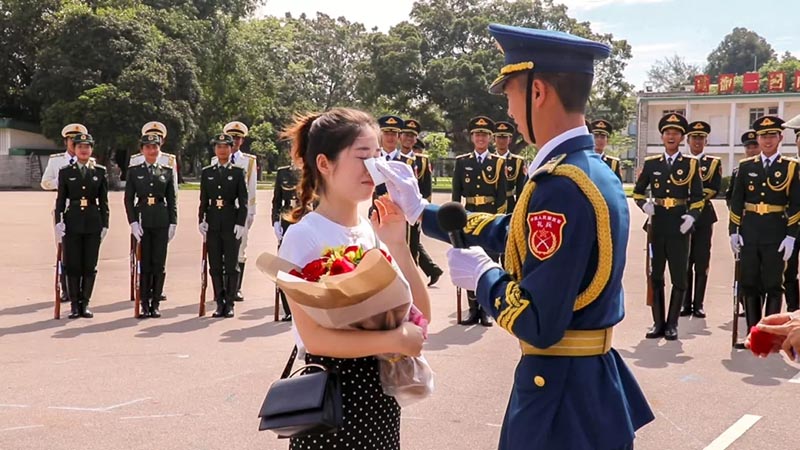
277,296
57,304
458,304
735,329
203,279
137,275
132,263
649,262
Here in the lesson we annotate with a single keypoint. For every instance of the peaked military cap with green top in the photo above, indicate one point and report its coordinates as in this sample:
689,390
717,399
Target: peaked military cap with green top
749,138
150,138
601,126
412,126
391,123
768,124
481,124
673,121
699,128
222,138
83,138
543,51
503,128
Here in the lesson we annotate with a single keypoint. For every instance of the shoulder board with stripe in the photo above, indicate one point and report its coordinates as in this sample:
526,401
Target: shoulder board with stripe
465,155
752,158
650,158
612,158
56,155
548,167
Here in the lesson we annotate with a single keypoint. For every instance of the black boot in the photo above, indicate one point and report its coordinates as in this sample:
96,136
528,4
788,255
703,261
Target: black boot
73,285
219,289
675,300
145,290
287,312
774,303
792,293
699,296
231,281
686,309
87,287
657,330
474,315
436,273
158,288
752,310
486,321
238,285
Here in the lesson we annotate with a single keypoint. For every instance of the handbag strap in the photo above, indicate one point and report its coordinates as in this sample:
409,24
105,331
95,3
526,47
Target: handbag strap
288,369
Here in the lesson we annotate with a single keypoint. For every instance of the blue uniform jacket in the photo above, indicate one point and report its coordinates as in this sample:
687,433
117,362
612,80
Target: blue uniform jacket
571,260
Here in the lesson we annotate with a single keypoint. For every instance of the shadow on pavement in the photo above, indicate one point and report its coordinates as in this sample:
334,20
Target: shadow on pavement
656,353
759,371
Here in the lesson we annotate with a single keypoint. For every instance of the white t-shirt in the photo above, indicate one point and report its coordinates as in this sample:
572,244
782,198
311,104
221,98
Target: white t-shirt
307,239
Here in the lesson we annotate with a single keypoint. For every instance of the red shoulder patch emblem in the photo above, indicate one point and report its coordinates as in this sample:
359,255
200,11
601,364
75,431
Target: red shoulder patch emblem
546,233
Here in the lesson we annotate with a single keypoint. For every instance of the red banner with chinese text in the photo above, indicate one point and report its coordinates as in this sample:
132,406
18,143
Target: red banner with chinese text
751,82
777,81
701,84
726,81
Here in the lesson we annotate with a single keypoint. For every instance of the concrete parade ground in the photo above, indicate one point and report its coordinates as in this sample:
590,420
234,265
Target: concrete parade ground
183,382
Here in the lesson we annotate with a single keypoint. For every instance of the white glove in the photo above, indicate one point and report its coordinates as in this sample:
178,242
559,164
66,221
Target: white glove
136,231
278,230
403,188
249,222
203,227
61,230
467,265
172,228
688,222
787,247
103,234
239,232
649,208
736,243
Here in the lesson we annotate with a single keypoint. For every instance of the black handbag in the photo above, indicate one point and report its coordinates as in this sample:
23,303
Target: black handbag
304,404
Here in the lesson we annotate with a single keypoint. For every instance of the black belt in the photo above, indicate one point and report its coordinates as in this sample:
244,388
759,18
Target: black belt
150,201
83,202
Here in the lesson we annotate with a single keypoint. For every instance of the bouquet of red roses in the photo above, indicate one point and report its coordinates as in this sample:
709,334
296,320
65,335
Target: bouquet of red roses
350,288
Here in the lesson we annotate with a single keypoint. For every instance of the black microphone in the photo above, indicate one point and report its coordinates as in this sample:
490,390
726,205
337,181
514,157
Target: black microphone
452,218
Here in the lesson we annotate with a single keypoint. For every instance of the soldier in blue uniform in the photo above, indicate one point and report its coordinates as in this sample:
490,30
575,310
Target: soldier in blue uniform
571,389
700,240
602,129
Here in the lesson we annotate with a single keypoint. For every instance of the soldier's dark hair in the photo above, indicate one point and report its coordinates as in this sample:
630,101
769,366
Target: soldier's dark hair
573,88
326,134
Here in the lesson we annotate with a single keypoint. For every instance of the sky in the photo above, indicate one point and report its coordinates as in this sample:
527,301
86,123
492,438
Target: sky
654,28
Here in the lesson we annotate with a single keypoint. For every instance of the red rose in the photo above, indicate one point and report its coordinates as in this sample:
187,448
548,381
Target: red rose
342,265
352,248
387,255
760,341
296,273
314,270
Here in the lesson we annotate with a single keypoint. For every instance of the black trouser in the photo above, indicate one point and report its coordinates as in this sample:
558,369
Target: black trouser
672,251
418,253
791,287
699,259
286,309
223,261
154,256
761,275
80,253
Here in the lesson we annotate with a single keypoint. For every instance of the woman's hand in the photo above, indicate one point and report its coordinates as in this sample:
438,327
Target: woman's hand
389,222
410,338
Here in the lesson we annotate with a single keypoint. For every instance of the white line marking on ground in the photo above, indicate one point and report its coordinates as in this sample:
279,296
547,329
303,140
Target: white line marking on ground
26,427
795,379
109,408
495,425
8,405
733,433
159,416
99,409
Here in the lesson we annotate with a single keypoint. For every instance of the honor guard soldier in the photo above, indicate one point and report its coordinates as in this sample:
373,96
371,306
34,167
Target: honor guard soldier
284,200
151,207
248,163
390,136
50,177
791,287
700,240
765,210
602,129
164,159
419,162
82,222
560,293
479,178
677,191
750,149
223,216
516,172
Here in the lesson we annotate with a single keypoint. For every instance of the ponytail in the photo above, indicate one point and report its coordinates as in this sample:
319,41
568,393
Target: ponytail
298,133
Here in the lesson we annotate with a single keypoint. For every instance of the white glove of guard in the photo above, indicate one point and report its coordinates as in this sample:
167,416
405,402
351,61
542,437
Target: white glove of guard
736,243
649,208
61,230
403,188
172,228
103,234
239,231
278,230
136,231
787,247
249,222
688,222
203,228
467,265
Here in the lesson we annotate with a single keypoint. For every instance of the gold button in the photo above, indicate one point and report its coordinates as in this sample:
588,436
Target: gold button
538,381
763,194
667,191
669,181
83,187
763,184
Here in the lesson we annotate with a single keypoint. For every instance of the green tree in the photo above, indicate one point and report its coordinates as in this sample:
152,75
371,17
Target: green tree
438,145
740,51
671,73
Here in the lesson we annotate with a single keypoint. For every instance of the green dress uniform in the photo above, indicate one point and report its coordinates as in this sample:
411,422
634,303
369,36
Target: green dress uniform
150,200
284,200
765,208
82,204
480,180
604,127
516,170
223,204
700,240
677,190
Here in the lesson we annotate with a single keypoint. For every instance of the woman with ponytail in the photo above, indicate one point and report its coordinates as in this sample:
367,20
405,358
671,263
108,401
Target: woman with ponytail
331,149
